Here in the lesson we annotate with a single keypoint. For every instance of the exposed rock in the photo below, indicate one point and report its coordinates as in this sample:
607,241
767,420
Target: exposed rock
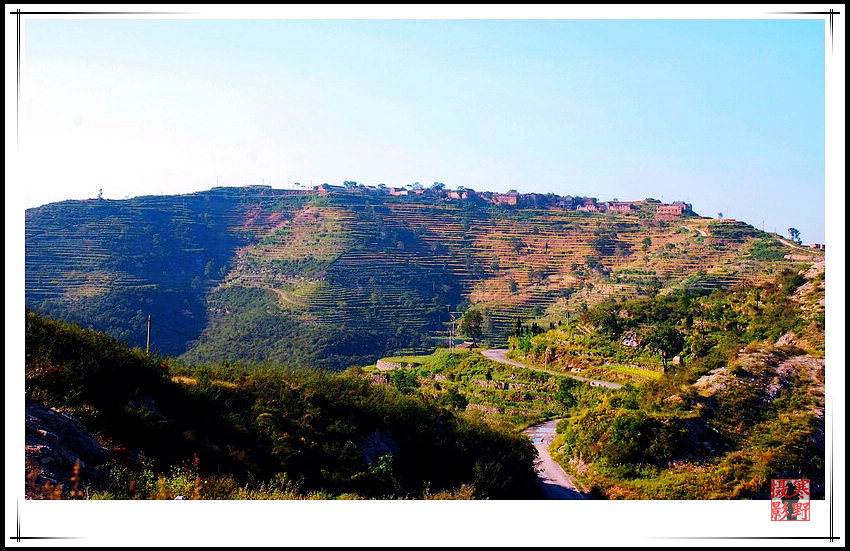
498,385
715,381
479,407
384,365
378,443
54,443
815,269
379,379
631,339
787,339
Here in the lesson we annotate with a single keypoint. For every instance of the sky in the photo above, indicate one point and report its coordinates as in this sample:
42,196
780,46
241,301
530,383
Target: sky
725,114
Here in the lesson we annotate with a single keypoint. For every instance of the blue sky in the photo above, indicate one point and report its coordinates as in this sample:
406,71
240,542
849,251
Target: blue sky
726,114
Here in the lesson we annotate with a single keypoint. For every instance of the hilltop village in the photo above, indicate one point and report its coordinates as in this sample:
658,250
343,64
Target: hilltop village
676,209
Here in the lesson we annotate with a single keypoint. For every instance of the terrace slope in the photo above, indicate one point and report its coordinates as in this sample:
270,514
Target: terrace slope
342,278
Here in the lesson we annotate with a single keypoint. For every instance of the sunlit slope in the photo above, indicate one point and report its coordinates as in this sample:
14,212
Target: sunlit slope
239,273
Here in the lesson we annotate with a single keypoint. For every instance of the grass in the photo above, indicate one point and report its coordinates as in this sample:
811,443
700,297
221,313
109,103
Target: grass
348,262
639,372
436,359
699,431
504,396
210,430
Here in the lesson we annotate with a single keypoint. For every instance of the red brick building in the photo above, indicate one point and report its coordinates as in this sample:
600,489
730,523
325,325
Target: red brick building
588,206
620,206
671,211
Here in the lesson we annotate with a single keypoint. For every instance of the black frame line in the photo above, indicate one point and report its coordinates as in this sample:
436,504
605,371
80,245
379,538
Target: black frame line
18,537
102,12
830,538
17,13
830,13
18,83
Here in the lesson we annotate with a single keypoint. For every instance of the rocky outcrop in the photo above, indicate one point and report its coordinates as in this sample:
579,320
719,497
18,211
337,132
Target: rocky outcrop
788,339
631,339
378,443
376,379
384,365
480,407
55,442
499,385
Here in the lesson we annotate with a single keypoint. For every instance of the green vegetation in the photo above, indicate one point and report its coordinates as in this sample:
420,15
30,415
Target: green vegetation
506,397
230,431
768,250
346,278
732,230
666,341
742,404
794,233
471,325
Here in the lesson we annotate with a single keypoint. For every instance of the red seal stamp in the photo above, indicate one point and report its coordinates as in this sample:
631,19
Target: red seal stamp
790,499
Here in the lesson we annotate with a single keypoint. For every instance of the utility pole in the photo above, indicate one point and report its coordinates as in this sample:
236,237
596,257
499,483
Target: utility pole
148,338
452,334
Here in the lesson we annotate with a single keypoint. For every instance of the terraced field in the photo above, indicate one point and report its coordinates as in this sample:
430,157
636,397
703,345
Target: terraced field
254,273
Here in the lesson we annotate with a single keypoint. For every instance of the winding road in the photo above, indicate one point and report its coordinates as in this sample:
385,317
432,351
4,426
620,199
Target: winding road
701,232
498,355
555,482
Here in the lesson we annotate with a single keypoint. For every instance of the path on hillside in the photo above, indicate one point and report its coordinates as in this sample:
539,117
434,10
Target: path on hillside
792,245
555,482
498,355
701,232
286,297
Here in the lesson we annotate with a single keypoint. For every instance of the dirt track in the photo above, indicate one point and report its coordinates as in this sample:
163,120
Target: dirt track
555,482
498,355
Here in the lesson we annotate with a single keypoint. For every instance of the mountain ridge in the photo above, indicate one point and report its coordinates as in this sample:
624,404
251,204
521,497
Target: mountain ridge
333,278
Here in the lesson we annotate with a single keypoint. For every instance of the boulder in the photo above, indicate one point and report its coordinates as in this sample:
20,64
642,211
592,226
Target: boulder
55,442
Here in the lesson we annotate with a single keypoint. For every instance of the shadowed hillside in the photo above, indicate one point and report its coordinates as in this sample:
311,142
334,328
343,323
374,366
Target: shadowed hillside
342,278
142,428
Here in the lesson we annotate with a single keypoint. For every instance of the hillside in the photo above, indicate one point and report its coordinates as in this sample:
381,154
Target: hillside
736,395
341,278
733,399
145,428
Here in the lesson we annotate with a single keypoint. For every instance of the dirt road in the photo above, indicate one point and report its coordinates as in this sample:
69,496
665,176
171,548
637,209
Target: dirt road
498,355
701,232
555,482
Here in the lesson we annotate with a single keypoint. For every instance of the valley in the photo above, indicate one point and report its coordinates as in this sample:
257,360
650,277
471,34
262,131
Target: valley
626,353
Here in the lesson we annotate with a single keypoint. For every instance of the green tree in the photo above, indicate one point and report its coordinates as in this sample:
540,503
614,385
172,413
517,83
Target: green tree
606,319
666,341
564,395
404,380
795,235
646,243
454,400
471,325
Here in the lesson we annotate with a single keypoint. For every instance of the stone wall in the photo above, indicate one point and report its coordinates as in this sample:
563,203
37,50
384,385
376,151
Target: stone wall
384,365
